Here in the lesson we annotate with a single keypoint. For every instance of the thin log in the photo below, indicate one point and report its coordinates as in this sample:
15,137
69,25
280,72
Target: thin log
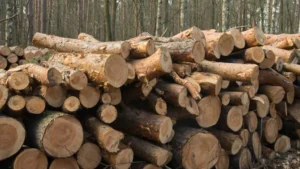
182,70
157,104
225,98
237,98
66,163
3,62
250,55
89,155
105,98
255,145
89,96
4,50
71,104
282,144
251,121
107,113
242,160
289,56
35,104
16,104
268,153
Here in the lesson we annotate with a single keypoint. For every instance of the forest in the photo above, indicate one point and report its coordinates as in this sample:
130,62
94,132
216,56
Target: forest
122,19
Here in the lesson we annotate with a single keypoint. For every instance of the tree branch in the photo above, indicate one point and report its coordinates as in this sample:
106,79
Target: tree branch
16,14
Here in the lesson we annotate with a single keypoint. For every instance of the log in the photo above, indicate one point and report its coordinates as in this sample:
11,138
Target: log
153,66
213,51
232,71
4,50
143,166
45,76
54,95
147,151
282,41
186,50
274,93
4,93
245,136
3,62
131,73
87,37
268,129
237,98
295,68
282,144
224,41
282,109
242,160
255,145
12,58
269,60
107,137
250,89
268,77
141,48
231,143
65,163
223,162
71,104
75,79
35,104
290,75
250,55
88,156
30,158
107,113
209,111
245,108
114,93
278,66
156,104
56,133
192,106
73,45
105,98
13,65
121,159
15,105
138,122
254,37
225,98
261,105
12,136
289,56
182,70
178,113
279,122
99,68
238,38
89,96
251,121
268,153
192,33
210,83
190,144
16,81
231,118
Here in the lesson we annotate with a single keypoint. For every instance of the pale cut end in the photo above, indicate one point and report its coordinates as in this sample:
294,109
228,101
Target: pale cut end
3,95
235,118
192,106
239,40
116,70
271,130
245,160
256,145
245,108
124,159
165,130
18,81
279,122
4,50
78,80
161,106
125,49
223,161
225,98
252,121
259,35
64,163
279,63
115,94
105,98
150,47
225,84
35,105
254,75
28,55
269,60
236,146
89,97
63,137
12,58
273,111
17,50
165,60
226,44
12,136
290,95
89,156
244,98
111,143
210,110
201,151
3,62
282,144
257,54
16,103
244,134
31,159
71,104
54,76
55,96
198,52
131,71
107,113
262,105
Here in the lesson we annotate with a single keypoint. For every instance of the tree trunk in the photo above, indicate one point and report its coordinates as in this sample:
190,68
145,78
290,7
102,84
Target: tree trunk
238,38
108,36
158,18
210,83
289,56
89,155
113,19
33,158
182,70
157,104
254,37
9,24
210,110
69,162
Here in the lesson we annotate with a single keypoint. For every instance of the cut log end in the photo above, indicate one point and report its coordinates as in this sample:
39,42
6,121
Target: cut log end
223,162
161,106
35,105
225,99
210,110
251,121
3,62
225,84
63,137
4,50
131,71
165,130
54,76
78,80
107,113
3,95
31,159
290,95
271,130
125,49
165,60
259,36
124,159
198,52
245,134
236,146
12,58
105,98
16,103
71,104
278,63
89,156
150,47
282,144
269,60
256,145
257,54
239,40
18,81
226,44
262,105
235,118
116,70
54,95
65,163
89,96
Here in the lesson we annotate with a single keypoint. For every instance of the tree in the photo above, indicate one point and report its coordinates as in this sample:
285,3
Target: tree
166,15
275,10
225,15
183,13
113,20
107,21
9,23
158,18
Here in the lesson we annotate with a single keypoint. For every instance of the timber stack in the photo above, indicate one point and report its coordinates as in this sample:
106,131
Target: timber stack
198,99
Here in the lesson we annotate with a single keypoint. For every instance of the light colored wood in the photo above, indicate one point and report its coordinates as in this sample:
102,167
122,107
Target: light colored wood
279,122
282,144
4,93
89,156
35,104
242,160
12,58
269,60
225,84
209,111
225,98
250,89
213,51
182,70
278,66
237,98
274,93
54,95
231,118
251,121
261,105
223,162
114,93
16,104
157,104
224,41
89,96
282,41
210,83
143,166
3,62
15,80
107,113
4,50
254,37
141,48
192,33
238,38
250,55
30,158
290,75
71,104
268,129
65,163
87,37
255,145
245,136
105,98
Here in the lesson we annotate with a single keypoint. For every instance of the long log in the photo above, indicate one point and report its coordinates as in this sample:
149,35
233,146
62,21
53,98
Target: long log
99,68
87,37
190,144
242,160
58,134
269,60
231,118
66,163
251,121
282,41
224,41
209,111
274,93
210,83
89,155
30,158
35,104
268,129
255,145
289,56
254,37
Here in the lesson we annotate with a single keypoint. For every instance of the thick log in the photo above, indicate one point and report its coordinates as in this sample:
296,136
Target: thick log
250,55
121,159
15,80
54,95
274,93
4,50
245,136
261,105
12,136
254,37
73,45
147,151
213,51
182,70
289,56
3,62
282,144
242,160
89,96
156,104
192,33
107,113
282,109
65,163
237,98
231,143
269,60
210,83
99,68
255,145
114,93
88,156
107,137
71,104
232,71
12,58
58,134
223,162
141,48
87,37
138,122
293,111
210,111
238,38
268,129
231,118
35,104
290,75
278,66
225,98
224,41
269,77
268,153
251,121
30,158
15,105
190,144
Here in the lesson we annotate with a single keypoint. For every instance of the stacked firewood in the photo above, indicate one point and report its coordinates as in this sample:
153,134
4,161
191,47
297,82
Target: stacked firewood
199,99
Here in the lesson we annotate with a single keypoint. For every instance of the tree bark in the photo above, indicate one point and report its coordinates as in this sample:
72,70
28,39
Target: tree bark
274,93
158,18
182,70
108,36
231,118
157,104
87,37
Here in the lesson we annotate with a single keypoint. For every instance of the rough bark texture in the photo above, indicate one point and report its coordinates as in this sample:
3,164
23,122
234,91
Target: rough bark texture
210,83
250,55
87,37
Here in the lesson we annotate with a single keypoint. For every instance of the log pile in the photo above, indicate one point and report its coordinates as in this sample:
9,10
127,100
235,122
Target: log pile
199,99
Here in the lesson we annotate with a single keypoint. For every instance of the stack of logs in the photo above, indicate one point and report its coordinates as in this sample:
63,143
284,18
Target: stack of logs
199,99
